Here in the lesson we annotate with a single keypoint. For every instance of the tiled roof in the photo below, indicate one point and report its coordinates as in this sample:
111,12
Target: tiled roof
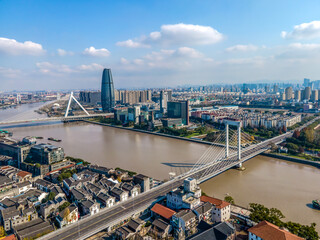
10,237
214,201
23,174
162,211
160,224
269,231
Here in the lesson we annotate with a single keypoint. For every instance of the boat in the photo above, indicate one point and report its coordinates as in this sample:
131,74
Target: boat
316,203
53,139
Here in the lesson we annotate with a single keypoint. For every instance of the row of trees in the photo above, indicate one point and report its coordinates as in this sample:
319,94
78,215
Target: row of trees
265,132
273,215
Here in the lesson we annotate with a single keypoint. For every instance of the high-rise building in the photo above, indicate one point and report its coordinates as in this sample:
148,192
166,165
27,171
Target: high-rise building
307,93
169,95
314,96
275,88
288,92
163,101
297,95
90,98
179,109
306,82
107,91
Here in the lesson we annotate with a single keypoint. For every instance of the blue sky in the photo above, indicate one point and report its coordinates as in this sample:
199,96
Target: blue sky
65,44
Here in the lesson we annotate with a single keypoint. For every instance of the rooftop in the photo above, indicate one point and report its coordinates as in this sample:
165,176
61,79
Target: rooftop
215,201
269,231
162,211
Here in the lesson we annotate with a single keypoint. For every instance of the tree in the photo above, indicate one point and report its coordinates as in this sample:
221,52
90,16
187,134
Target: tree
229,199
51,196
301,149
309,133
2,232
66,214
296,134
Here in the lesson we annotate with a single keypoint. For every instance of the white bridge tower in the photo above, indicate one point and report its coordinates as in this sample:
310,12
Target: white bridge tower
69,103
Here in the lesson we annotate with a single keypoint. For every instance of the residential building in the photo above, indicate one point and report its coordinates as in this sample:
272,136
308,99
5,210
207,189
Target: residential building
268,231
133,190
160,228
143,181
221,210
68,216
33,229
89,207
106,200
119,194
218,231
159,210
46,154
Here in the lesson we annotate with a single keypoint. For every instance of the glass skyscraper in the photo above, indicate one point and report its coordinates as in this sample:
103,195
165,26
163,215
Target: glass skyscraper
107,91
179,109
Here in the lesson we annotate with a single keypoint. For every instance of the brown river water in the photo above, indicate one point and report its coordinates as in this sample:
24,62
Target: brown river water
275,183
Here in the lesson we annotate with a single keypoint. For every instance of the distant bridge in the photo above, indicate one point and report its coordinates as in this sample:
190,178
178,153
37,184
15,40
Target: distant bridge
63,119
66,117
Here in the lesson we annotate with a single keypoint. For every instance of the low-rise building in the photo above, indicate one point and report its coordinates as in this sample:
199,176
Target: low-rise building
143,181
159,210
89,207
43,185
160,228
133,190
119,194
33,229
106,200
50,207
68,216
13,216
221,210
268,231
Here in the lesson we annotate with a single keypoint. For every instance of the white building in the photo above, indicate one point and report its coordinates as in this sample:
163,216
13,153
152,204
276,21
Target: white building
188,197
221,210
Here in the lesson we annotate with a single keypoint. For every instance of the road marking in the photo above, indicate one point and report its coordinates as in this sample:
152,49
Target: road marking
123,207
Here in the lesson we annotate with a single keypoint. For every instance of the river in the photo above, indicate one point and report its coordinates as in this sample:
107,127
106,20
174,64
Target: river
275,183
21,112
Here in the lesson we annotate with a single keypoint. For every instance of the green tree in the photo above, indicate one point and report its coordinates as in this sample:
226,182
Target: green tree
229,199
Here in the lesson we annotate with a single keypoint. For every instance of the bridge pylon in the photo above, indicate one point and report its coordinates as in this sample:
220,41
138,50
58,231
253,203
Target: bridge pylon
69,103
238,124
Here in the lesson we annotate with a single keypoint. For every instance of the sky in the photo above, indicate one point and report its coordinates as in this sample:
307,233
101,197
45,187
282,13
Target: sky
56,45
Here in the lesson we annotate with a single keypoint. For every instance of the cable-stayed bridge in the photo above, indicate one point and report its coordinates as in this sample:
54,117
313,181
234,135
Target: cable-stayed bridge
230,148
65,118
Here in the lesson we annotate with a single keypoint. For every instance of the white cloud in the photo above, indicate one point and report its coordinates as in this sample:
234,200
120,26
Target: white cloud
57,69
132,44
177,34
90,67
9,72
91,51
242,48
62,52
166,59
305,46
47,68
188,52
303,31
12,47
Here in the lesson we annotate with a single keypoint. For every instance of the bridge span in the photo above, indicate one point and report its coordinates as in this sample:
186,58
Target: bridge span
52,119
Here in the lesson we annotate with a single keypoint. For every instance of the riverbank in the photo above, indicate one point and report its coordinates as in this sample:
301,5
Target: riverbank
292,159
154,133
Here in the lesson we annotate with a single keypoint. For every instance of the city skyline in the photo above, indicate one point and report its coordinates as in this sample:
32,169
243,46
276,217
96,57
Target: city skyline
189,44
